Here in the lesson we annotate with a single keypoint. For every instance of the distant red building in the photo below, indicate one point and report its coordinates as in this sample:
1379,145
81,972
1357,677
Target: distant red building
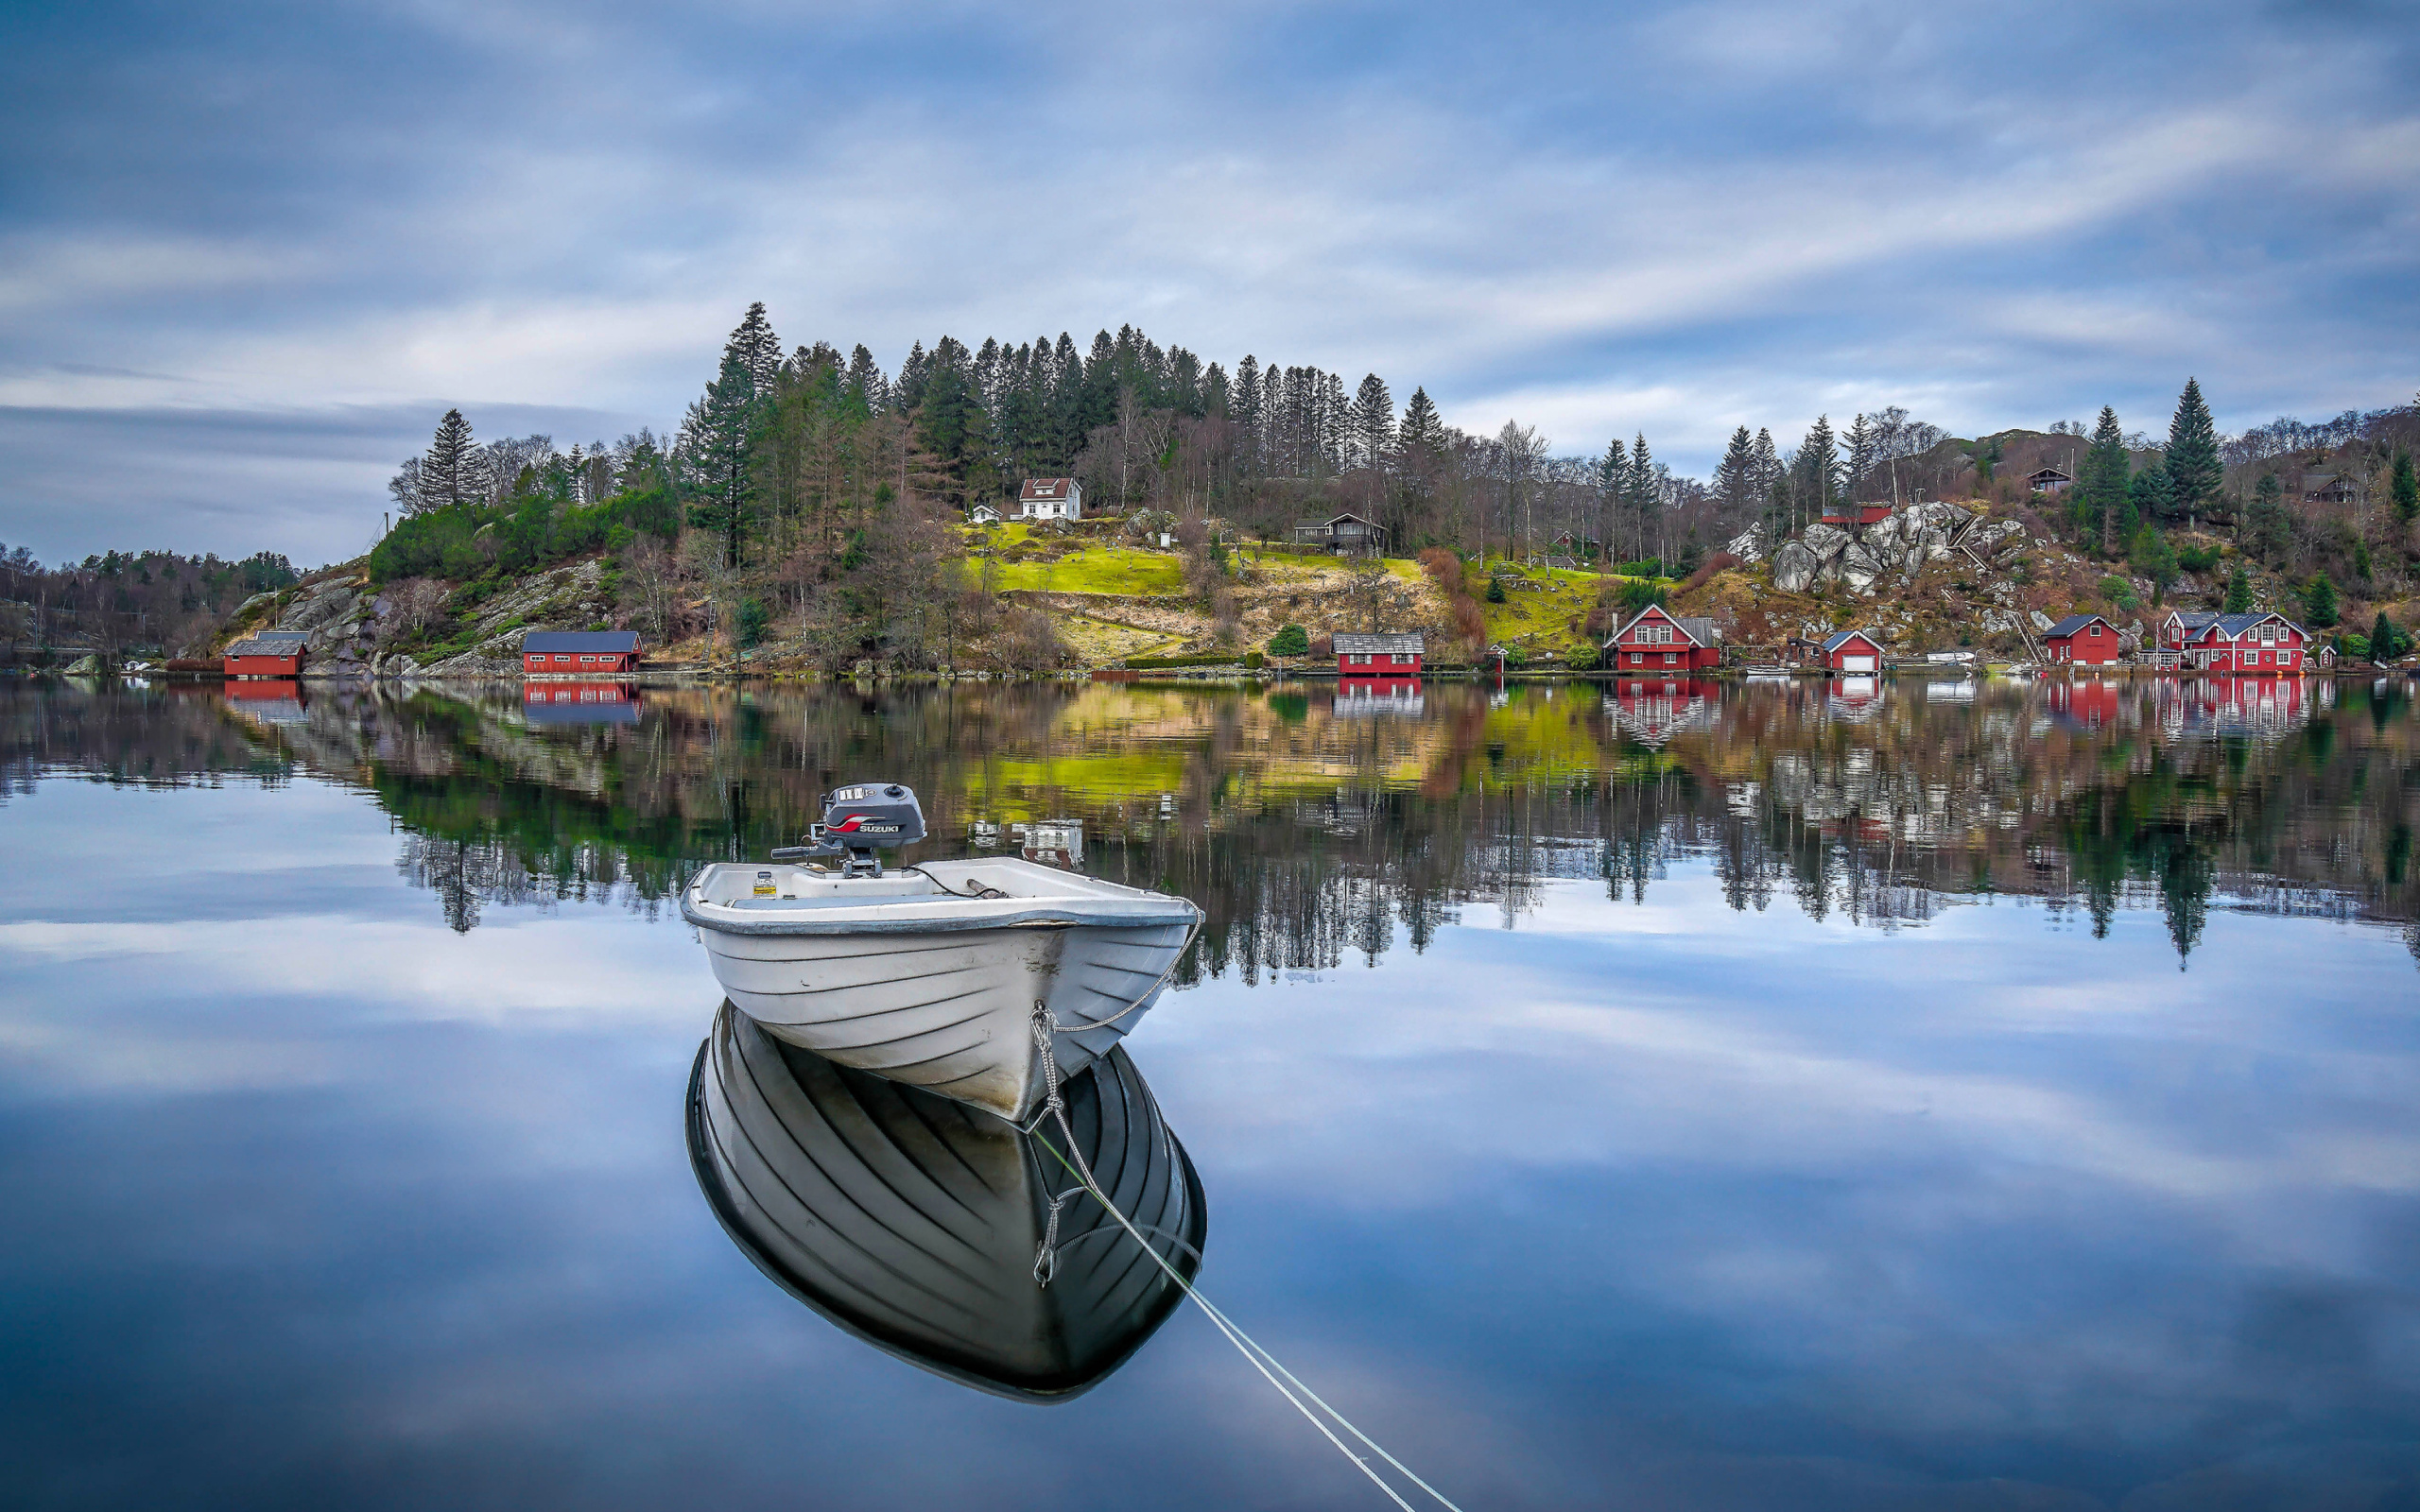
1853,652
580,653
269,654
2082,639
1663,643
1844,514
1390,654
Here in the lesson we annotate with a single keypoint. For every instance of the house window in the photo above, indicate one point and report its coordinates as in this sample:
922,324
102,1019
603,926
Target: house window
588,659
1672,657
2096,632
563,659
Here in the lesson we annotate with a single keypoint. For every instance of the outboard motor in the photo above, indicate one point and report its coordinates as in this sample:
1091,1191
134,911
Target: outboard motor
858,821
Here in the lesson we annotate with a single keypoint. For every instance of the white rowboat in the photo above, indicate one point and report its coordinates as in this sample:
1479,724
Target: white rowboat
930,976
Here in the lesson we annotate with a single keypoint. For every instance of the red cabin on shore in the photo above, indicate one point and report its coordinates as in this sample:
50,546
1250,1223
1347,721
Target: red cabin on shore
1853,651
2084,640
580,653
1398,654
1665,643
269,654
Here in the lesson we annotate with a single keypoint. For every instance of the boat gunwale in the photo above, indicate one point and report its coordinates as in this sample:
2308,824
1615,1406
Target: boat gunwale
1047,917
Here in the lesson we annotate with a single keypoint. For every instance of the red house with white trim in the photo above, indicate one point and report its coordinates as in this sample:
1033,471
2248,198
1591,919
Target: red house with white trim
2085,640
580,653
1392,654
1660,642
1853,652
2270,643
269,654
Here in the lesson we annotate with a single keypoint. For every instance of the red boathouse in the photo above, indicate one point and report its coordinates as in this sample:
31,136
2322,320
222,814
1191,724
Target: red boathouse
580,653
269,654
2082,639
1853,652
1668,643
1394,654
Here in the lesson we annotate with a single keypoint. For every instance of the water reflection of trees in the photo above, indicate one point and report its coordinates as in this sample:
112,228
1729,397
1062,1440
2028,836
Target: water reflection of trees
1313,837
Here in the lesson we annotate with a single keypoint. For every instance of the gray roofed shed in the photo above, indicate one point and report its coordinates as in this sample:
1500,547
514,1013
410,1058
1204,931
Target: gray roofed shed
1398,643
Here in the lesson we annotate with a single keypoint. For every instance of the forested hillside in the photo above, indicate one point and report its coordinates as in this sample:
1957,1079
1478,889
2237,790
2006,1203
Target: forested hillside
811,499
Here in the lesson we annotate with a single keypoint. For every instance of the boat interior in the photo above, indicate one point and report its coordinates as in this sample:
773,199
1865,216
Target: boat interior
778,886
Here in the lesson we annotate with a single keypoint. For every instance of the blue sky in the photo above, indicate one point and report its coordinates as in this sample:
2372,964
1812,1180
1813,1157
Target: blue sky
247,255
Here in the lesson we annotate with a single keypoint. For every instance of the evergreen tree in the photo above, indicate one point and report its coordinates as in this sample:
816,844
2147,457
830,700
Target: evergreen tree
1860,440
1613,489
1374,422
2102,488
1422,428
2151,496
2265,533
2387,639
2240,592
2405,488
454,470
2193,464
1734,477
713,453
2319,602
866,381
1646,496
1245,410
1819,466
760,351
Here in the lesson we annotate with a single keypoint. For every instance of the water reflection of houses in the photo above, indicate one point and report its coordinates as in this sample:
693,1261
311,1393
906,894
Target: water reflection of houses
1654,713
268,701
2261,707
1854,698
580,703
1369,697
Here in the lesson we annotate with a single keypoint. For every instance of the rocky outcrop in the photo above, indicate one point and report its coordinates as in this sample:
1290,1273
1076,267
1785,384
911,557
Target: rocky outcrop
1795,567
1748,544
1904,541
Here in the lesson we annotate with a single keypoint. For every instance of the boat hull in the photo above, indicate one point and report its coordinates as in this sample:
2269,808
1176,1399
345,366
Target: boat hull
912,1222
952,1012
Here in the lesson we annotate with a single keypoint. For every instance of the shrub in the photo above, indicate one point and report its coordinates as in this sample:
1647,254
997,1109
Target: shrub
1289,641
1496,589
1637,594
2197,559
1585,656
1713,565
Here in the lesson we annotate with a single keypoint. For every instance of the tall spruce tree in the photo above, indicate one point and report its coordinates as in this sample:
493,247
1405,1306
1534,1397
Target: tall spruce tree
1645,495
1421,426
453,470
2265,532
2193,464
1861,438
2104,484
1735,476
760,351
1374,422
713,453
2238,591
2404,488
1613,489
1819,466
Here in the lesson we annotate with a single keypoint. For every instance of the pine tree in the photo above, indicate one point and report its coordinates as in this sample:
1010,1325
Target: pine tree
760,351
2194,465
1734,477
1422,427
1770,475
1860,440
2387,641
1819,465
2405,488
1645,495
866,383
2265,533
453,470
2150,494
1613,486
2319,602
1374,422
713,453
2104,484
2240,592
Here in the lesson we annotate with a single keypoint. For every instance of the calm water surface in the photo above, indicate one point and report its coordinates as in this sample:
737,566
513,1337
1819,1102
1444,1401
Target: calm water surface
1911,1096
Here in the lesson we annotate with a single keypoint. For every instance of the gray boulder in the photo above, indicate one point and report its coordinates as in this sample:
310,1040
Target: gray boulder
1999,621
1825,541
1748,544
1859,568
1794,567
2041,620
1997,539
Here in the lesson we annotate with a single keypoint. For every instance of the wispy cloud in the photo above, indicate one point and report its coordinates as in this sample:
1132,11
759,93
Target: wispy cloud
1676,218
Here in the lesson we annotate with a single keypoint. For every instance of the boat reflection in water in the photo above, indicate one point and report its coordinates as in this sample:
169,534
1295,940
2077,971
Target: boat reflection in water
914,1222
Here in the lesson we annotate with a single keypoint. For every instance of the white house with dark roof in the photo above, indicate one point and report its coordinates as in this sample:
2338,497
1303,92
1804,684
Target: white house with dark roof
1050,499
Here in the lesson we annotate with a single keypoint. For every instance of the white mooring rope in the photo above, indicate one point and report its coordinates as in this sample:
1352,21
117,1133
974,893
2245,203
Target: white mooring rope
1045,1265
